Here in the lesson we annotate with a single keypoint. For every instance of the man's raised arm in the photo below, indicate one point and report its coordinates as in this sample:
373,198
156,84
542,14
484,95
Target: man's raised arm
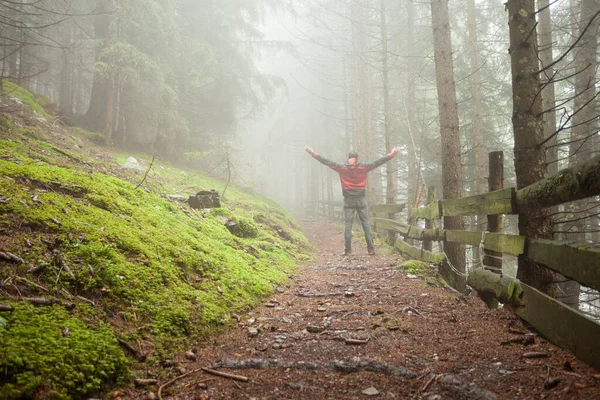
331,164
372,165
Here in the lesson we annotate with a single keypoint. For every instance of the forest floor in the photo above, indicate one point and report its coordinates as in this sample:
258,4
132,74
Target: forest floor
361,326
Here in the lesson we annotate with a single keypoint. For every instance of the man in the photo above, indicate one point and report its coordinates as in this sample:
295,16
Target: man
353,176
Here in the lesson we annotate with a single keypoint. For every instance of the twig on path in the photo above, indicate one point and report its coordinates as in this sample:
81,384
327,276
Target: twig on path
147,171
164,385
356,341
226,375
433,378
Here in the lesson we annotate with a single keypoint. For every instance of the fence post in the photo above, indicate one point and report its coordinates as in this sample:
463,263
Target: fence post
495,222
428,244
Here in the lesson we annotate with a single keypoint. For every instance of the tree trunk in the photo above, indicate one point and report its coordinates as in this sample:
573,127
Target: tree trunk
411,109
548,95
528,125
96,117
449,133
479,145
387,114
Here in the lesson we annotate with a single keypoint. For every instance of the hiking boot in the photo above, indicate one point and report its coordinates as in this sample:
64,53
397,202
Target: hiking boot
371,252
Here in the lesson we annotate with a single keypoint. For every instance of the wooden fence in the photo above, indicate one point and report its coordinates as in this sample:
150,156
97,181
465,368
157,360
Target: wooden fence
561,324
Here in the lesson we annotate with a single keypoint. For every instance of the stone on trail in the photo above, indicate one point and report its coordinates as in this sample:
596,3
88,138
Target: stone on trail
371,391
252,331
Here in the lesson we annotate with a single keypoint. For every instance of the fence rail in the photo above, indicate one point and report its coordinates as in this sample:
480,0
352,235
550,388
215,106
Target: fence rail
566,327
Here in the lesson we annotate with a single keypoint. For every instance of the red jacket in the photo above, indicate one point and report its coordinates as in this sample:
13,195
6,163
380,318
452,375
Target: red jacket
353,175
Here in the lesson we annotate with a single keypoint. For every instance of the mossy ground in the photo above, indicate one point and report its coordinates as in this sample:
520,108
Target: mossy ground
158,273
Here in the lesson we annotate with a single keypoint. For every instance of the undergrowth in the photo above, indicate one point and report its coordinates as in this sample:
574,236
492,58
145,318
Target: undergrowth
156,271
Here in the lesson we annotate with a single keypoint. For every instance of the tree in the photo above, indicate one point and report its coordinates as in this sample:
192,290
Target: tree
528,126
449,132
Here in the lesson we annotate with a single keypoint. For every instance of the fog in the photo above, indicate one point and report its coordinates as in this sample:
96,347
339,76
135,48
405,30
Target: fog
237,88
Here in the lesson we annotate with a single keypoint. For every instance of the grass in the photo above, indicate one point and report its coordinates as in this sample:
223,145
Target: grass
157,271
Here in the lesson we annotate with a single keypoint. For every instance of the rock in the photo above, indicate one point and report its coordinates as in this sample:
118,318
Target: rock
263,347
176,197
294,386
321,309
132,163
411,276
371,391
315,329
349,294
276,346
279,290
252,332
286,320
151,396
205,199
190,355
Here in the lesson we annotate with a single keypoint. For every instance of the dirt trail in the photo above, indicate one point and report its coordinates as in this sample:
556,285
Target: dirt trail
413,339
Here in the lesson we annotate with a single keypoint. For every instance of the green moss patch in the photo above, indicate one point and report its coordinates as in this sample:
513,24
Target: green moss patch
50,348
30,100
157,271
414,267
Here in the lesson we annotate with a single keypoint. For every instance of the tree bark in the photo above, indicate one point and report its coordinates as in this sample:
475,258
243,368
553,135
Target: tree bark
548,94
449,132
96,117
411,109
528,125
391,184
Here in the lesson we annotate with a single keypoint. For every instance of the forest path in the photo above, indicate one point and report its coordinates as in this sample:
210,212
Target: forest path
410,338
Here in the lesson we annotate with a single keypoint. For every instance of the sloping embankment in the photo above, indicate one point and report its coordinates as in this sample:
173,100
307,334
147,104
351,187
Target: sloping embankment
103,270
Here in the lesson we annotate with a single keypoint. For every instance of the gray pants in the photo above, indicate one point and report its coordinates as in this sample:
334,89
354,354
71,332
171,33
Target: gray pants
351,205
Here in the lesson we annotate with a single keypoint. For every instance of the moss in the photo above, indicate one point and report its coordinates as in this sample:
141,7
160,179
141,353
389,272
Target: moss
156,270
38,351
147,262
414,267
10,89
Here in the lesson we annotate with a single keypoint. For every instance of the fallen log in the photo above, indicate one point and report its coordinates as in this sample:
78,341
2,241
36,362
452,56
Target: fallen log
226,375
5,308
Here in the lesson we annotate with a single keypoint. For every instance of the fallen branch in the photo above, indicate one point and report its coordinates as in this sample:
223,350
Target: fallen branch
19,278
10,257
433,378
85,300
164,385
39,301
144,382
226,375
356,342
5,308
535,354
313,295
147,171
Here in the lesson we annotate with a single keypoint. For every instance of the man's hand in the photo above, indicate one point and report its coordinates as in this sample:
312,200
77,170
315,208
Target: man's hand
395,151
309,150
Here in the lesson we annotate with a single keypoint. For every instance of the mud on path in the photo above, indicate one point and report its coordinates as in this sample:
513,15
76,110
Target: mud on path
358,327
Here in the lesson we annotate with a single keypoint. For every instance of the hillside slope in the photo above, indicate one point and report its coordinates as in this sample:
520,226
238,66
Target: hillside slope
95,273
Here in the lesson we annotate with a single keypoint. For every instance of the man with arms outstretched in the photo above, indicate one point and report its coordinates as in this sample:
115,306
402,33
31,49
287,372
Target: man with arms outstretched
353,176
